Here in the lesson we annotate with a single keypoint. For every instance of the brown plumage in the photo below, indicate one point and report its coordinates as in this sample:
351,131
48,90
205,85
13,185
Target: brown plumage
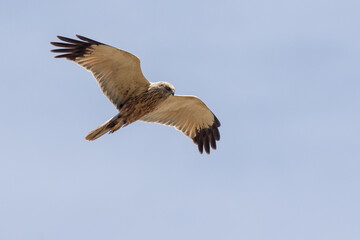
121,80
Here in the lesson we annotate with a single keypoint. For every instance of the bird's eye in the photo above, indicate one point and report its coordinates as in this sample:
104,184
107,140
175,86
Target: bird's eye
168,88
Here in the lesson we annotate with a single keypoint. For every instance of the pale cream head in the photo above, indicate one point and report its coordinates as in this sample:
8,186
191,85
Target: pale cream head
164,87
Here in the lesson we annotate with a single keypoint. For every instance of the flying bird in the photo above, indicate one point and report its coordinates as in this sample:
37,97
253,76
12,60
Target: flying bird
122,82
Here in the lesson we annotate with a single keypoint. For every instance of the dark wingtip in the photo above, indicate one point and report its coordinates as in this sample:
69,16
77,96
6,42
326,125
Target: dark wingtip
72,47
207,137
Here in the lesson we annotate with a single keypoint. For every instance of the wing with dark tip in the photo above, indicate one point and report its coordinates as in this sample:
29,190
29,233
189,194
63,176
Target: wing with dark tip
117,72
191,116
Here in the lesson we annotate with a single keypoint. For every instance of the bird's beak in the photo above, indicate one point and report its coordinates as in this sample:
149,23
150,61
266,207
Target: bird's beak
173,93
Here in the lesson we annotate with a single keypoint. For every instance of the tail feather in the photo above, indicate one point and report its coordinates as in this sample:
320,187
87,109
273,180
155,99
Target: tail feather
110,126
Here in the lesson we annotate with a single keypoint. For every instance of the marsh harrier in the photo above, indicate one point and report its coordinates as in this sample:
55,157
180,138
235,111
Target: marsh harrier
121,80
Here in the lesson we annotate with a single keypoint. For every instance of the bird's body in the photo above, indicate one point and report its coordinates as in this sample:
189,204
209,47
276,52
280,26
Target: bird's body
121,80
132,110
142,104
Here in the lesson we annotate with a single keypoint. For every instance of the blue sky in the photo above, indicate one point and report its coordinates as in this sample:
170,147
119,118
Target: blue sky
282,77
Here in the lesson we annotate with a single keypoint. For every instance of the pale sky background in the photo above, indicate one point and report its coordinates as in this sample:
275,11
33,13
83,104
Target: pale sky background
283,77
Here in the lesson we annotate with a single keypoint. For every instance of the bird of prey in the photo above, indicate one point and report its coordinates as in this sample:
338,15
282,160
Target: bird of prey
121,80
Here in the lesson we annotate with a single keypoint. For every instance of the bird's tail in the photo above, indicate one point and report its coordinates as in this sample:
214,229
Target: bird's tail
111,126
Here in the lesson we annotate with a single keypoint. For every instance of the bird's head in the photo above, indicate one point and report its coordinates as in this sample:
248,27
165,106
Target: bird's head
163,87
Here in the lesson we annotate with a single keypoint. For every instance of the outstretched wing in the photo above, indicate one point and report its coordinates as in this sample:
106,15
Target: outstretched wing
191,116
117,72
